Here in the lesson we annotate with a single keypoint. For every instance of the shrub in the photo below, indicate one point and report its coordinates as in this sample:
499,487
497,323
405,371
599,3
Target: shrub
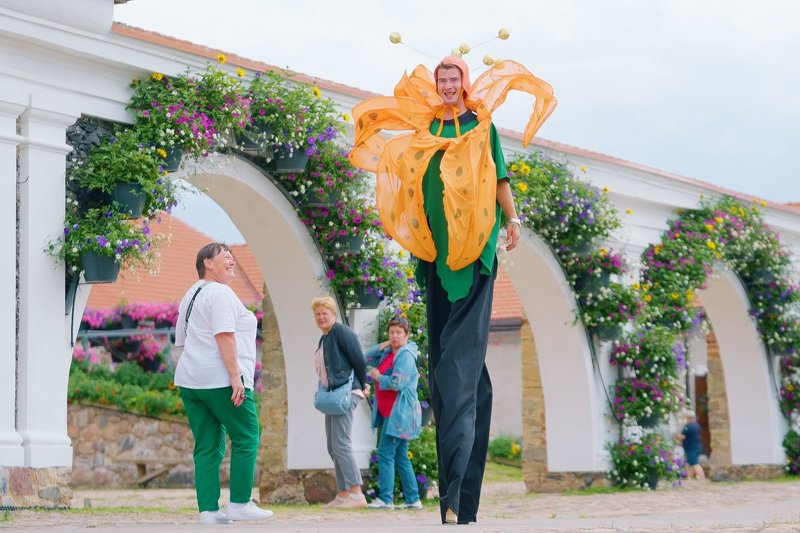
505,447
422,452
791,443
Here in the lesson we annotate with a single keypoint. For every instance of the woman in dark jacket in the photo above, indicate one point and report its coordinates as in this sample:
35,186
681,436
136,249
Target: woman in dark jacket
338,356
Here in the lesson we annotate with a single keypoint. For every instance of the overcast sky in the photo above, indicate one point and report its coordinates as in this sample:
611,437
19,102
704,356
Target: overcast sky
705,89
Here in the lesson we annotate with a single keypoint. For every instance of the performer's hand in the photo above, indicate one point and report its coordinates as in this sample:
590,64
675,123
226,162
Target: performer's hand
512,236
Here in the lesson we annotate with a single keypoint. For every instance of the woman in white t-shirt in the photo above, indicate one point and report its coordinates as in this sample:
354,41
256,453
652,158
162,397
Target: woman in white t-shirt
215,378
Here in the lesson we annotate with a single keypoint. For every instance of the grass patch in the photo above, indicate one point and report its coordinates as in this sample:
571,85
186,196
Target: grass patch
497,473
596,490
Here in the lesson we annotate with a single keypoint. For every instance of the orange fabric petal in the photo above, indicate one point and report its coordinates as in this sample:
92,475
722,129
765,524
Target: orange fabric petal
492,87
399,192
468,170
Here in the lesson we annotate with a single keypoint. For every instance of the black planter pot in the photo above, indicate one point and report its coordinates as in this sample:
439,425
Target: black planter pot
131,197
347,244
592,283
253,139
163,324
313,199
367,300
762,277
647,421
607,332
127,321
99,268
173,160
652,479
285,163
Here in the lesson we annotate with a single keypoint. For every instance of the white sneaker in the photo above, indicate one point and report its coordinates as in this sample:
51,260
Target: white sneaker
214,518
416,506
247,511
377,503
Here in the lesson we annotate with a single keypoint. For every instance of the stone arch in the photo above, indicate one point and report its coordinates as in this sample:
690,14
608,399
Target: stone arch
756,426
572,412
293,269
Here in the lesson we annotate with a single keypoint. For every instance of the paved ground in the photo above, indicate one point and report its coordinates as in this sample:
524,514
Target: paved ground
697,507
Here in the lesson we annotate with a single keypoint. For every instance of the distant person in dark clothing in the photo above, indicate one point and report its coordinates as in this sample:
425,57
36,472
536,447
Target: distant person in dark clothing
692,446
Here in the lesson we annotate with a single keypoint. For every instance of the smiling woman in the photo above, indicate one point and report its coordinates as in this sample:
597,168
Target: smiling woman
215,378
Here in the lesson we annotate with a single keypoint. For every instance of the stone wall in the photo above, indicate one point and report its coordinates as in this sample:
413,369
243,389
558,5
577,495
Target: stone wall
34,487
279,484
104,440
718,417
534,430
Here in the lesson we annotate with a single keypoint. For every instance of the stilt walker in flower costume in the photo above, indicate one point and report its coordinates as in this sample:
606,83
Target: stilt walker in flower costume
440,193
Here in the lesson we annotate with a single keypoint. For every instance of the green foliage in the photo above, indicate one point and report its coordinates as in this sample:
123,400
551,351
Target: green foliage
104,232
648,385
294,114
505,447
422,452
567,212
132,390
791,445
195,112
573,217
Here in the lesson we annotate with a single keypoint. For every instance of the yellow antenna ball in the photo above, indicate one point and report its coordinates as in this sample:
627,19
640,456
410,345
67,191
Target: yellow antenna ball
395,38
464,47
503,33
488,60
455,52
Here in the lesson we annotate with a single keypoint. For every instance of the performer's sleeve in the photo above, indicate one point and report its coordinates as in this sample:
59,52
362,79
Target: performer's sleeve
497,154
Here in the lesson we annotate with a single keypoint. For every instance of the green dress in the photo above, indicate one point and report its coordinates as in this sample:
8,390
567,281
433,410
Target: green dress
456,283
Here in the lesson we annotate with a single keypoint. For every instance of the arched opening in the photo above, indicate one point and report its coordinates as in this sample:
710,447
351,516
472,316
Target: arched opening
292,268
755,424
573,412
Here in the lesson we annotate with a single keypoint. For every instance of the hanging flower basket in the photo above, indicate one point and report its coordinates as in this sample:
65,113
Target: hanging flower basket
286,163
173,160
131,197
99,268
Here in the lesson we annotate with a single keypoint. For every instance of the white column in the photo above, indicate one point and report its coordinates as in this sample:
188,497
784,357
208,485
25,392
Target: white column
44,355
11,453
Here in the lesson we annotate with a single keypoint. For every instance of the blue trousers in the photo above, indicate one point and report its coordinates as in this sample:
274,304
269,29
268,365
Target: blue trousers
461,391
393,453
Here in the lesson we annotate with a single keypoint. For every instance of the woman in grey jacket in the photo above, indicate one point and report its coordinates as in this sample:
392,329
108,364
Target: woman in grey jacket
338,355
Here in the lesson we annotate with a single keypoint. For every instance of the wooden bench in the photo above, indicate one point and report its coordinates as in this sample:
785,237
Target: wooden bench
142,463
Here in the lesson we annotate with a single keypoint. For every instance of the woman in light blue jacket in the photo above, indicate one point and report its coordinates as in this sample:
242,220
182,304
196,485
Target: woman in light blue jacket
397,412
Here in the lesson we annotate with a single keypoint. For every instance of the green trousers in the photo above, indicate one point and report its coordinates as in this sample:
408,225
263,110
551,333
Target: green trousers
211,414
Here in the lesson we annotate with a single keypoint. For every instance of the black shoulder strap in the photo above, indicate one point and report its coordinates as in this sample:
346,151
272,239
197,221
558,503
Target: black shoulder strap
191,304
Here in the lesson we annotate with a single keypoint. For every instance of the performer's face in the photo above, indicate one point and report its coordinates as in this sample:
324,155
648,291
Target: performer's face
448,85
